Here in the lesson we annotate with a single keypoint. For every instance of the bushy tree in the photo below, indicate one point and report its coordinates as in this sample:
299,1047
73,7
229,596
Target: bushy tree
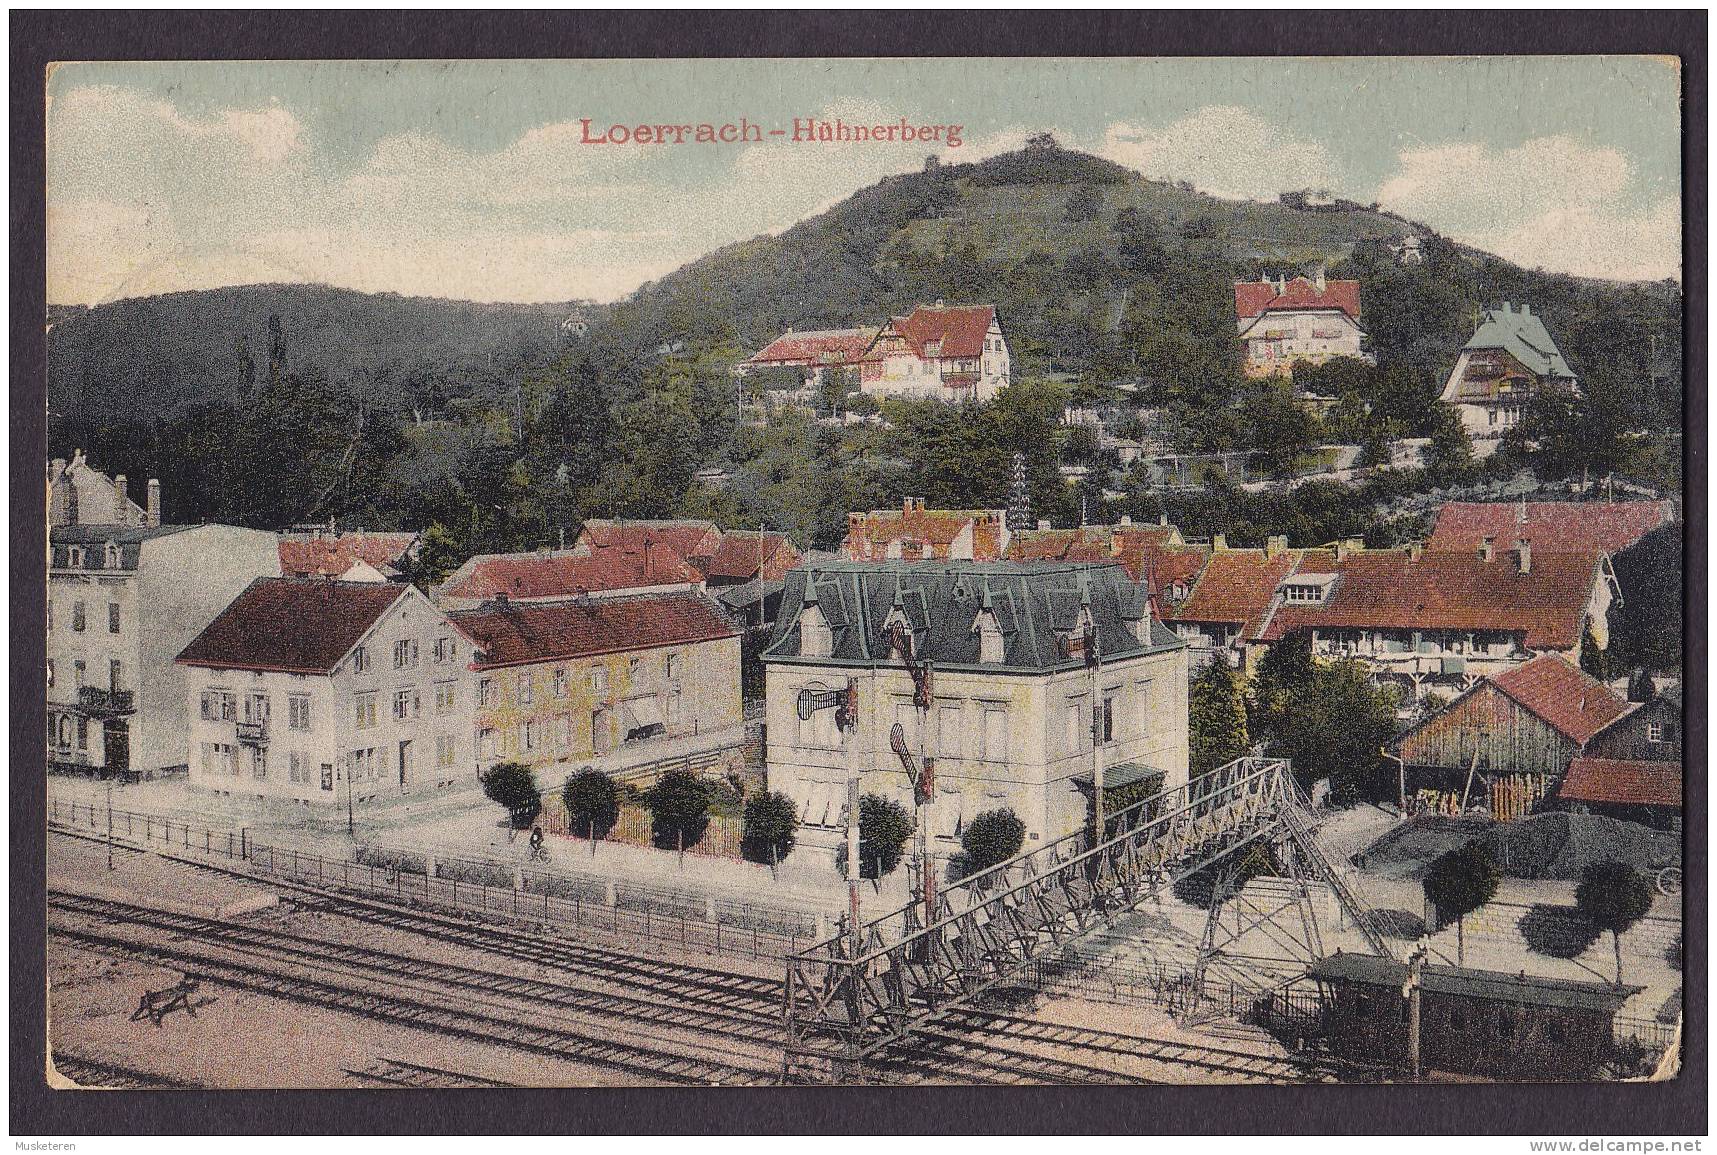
1459,882
512,785
1613,896
592,803
679,810
771,827
884,827
1218,718
992,837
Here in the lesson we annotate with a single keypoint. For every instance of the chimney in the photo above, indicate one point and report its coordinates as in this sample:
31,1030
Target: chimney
154,507
1163,520
1321,282
1219,542
1341,549
1126,521
1523,549
1415,550
1525,309
121,496
1275,545
1487,549
940,303
1042,523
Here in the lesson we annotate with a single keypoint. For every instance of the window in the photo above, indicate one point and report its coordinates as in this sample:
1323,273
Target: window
598,679
110,555
528,736
298,768
994,737
1075,715
298,712
486,744
485,691
360,660
632,671
218,758
1106,719
563,731
599,730
562,683
83,732
216,706
405,654
327,775
952,743
366,710
673,664
672,714
50,673
1654,731
113,617
446,749
527,690
364,765
445,650
256,708
78,669
1504,1024
74,557
444,696
259,761
77,617
115,680
405,704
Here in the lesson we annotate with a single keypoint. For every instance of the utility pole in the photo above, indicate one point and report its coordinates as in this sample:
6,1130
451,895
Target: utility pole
351,830
1410,990
110,826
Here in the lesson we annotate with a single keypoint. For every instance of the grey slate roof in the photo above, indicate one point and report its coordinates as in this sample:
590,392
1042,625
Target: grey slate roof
1532,990
94,539
1034,604
1522,335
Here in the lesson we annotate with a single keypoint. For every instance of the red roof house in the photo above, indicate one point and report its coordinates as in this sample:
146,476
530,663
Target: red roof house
319,553
1608,526
913,533
548,575
1621,782
506,634
292,625
1281,322
812,348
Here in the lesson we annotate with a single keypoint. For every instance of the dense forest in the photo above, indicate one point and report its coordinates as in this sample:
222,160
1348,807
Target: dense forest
496,426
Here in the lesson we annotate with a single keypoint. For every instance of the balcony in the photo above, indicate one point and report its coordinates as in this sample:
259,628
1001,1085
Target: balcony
106,703
252,733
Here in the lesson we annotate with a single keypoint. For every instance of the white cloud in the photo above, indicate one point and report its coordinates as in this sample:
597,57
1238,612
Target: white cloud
1551,202
1223,150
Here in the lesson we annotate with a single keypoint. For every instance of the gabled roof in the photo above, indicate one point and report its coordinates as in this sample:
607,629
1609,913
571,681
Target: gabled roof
1150,553
1567,698
292,625
687,537
509,634
961,329
1254,298
310,555
936,527
1034,605
1521,334
562,573
1236,588
742,553
816,346
1446,590
1622,782
1609,526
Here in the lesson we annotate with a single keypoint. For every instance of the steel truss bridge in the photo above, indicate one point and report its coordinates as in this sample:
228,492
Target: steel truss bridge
852,997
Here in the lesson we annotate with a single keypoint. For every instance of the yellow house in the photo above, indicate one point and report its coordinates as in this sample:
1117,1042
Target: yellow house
630,686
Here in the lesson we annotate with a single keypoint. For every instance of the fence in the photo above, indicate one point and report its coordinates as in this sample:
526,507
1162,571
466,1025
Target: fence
633,910
721,839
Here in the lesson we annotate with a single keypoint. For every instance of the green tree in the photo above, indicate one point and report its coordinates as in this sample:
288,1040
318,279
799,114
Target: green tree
592,803
1449,455
992,837
1218,718
884,827
1084,203
438,555
1327,717
771,827
679,810
1459,882
512,785
1613,896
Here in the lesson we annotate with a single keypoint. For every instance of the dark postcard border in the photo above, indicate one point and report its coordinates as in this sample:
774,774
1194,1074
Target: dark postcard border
1673,1109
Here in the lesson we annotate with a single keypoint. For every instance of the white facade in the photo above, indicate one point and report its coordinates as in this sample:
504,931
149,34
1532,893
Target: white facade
391,720
1276,339
1015,740
119,611
903,373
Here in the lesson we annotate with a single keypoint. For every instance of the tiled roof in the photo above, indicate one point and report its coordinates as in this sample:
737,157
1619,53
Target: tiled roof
742,554
1609,526
307,555
816,346
960,328
688,538
1563,695
1237,587
510,634
1442,590
1252,298
1522,335
930,526
549,574
1622,782
1033,603
1149,553
293,625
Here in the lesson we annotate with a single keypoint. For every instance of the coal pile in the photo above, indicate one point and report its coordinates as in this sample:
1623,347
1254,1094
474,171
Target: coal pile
1553,845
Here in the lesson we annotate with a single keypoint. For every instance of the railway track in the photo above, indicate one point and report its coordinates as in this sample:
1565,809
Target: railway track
399,1073
110,1076
1223,1060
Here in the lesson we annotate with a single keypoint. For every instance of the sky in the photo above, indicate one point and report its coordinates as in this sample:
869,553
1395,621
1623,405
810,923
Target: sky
480,180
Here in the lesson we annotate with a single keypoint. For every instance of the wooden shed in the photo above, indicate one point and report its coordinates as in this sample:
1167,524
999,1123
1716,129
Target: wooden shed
1472,1022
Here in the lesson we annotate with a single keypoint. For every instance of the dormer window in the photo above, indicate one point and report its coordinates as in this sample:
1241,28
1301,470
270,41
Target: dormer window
816,640
110,556
1306,589
74,556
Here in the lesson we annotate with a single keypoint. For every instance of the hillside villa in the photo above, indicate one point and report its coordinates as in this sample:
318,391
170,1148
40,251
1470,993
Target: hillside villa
1282,321
1503,365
